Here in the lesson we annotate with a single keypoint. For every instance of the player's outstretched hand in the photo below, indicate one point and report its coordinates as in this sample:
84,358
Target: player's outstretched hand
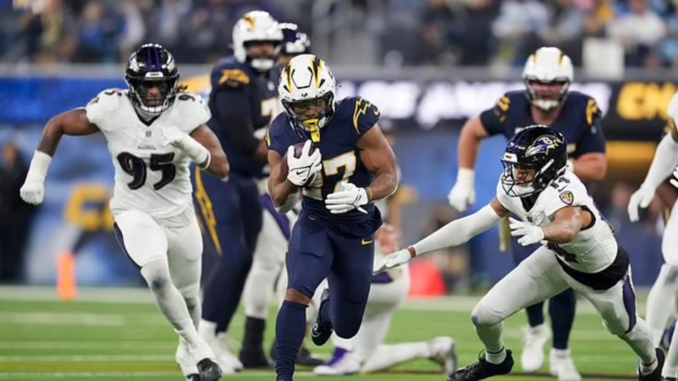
346,198
463,195
304,167
393,260
641,199
529,233
33,192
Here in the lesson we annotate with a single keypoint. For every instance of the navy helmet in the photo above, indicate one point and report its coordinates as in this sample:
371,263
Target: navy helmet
294,41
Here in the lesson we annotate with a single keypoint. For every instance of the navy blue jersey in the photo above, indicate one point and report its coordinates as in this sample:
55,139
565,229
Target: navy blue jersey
242,101
338,144
579,120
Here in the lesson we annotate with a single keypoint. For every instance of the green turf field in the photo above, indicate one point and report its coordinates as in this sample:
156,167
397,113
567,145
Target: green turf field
118,335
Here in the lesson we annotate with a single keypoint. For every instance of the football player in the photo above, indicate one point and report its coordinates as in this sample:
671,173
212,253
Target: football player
578,250
242,100
546,100
269,255
351,166
154,131
665,287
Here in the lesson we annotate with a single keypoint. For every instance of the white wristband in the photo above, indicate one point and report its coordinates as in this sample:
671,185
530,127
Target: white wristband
466,177
196,151
39,166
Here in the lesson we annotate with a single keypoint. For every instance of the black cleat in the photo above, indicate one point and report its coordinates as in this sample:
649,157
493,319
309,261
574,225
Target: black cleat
668,379
322,330
482,369
656,374
193,377
254,358
306,358
209,370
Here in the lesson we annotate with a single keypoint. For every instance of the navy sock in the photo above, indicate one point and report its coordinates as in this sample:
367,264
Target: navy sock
535,314
290,328
562,309
224,288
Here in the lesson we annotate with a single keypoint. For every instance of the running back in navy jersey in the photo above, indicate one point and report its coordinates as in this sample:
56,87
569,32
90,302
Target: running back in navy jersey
246,97
338,144
579,120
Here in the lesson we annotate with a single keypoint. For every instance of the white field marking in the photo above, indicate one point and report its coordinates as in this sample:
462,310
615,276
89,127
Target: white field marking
46,375
89,358
78,318
75,345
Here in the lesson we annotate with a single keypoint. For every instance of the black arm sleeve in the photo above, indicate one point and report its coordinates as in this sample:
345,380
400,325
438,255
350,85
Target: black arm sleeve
232,110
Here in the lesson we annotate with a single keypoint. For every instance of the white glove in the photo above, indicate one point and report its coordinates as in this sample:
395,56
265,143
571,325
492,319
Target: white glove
463,195
303,169
393,260
673,180
346,198
33,190
642,198
183,141
530,234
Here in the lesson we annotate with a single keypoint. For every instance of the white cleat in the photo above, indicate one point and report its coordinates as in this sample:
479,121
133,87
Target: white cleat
562,366
186,361
443,353
224,355
218,348
343,363
532,357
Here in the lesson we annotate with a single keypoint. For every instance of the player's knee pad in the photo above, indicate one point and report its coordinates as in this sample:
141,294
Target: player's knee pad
483,316
157,275
191,295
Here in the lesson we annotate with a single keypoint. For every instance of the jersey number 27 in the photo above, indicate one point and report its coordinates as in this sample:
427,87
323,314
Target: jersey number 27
136,167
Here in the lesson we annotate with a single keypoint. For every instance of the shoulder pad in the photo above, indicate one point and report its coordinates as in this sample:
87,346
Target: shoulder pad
190,111
104,103
275,134
592,110
361,112
565,191
503,105
230,73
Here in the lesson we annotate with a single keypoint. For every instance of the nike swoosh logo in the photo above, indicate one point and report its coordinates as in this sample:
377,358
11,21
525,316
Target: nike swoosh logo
366,242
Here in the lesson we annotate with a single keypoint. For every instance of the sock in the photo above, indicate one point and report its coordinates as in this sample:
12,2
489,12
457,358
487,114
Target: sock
223,289
171,303
491,336
254,334
495,357
562,310
535,314
659,307
388,356
289,330
671,362
640,340
194,306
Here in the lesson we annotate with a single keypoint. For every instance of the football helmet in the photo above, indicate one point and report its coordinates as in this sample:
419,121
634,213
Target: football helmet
294,41
152,77
254,28
533,158
307,91
548,74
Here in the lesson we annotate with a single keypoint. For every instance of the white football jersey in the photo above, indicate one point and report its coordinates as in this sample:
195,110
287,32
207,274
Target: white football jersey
593,249
149,177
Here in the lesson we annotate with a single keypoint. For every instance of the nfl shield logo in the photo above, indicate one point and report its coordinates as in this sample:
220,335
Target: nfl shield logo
148,134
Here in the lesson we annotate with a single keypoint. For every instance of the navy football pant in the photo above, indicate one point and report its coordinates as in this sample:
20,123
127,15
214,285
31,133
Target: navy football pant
315,253
562,307
231,214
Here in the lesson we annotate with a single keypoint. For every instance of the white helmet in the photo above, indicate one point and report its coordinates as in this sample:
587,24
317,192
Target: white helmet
256,26
307,90
548,74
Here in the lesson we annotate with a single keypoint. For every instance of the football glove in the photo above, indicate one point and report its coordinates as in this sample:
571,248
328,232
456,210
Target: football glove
33,190
183,141
304,168
346,198
463,195
529,233
393,260
641,199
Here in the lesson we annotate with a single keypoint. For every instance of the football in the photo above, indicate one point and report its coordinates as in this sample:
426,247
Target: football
284,168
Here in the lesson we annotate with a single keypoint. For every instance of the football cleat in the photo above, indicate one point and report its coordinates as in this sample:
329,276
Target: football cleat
482,369
532,357
209,370
562,366
443,353
322,330
656,374
343,363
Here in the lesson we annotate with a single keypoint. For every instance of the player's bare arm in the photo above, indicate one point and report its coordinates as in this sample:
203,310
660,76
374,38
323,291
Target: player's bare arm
218,164
567,222
279,186
72,123
378,157
591,166
472,134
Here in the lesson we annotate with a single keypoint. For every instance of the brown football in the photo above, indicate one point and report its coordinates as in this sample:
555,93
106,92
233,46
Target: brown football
284,168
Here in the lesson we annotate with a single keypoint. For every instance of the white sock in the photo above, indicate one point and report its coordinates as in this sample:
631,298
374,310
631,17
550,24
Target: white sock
660,301
640,340
671,363
258,290
170,302
496,358
387,356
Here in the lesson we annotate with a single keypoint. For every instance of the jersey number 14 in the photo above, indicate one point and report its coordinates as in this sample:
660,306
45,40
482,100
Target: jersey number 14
136,167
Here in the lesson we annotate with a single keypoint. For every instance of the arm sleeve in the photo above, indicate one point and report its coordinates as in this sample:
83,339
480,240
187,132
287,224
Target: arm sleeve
233,111
494,119
593,139
458,231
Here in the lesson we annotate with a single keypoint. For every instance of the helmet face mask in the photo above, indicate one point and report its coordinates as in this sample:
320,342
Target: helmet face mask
548,74
308,113
152,78
534,157
547,95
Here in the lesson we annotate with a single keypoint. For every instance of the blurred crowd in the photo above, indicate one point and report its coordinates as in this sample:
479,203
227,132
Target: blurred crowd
445,32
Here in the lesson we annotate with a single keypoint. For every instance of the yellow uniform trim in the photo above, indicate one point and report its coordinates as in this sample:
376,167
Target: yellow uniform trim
206,209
